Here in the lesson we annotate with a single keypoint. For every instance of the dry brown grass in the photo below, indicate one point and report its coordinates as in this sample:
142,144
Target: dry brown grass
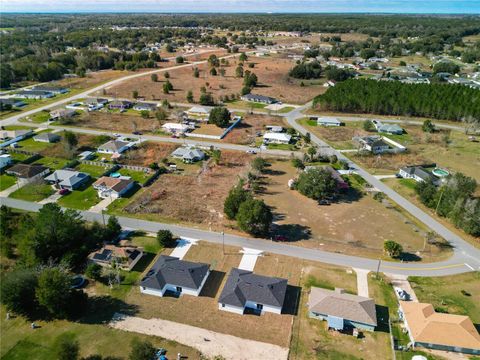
244,133
148,153
92,79
196,196
272,73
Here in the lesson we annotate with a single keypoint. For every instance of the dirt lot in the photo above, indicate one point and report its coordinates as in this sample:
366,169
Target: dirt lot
203,311
357,224
195,195
147,153
244,133
271,72
92,79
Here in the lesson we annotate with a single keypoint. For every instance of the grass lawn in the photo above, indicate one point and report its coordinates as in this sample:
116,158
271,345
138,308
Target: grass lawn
289,147
137,176
18,157
34,146
445,293
33,192
285,109
240,104
19,341
37,118
80,199
52,162
94,170
6,181
16,127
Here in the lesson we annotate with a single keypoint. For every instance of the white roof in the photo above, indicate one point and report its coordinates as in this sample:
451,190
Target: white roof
175,126
277,136
198,109
328,120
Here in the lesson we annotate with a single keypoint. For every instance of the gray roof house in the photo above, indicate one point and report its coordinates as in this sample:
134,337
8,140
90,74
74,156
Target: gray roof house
113,146
246,291
34,94
375,144
47,137
12,102
177,276
393,129
144,106
26,173
417,173
53,89
342,310
68,179
188,155
259,98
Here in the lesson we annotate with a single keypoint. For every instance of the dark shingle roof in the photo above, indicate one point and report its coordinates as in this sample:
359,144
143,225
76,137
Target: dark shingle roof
418,171
243,286
172,270
26,171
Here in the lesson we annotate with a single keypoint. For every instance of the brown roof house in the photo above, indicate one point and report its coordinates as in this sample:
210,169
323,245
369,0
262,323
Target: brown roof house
123,256
26,173
342,310
109,187
439,331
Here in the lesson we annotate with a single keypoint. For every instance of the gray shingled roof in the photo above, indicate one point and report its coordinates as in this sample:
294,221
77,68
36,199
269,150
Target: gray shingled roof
347,306
419,171
243,286
171,270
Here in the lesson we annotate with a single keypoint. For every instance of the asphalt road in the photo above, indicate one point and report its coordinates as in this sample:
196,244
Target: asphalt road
454,265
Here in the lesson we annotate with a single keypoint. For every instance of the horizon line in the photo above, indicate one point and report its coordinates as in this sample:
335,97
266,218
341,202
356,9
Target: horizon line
242,12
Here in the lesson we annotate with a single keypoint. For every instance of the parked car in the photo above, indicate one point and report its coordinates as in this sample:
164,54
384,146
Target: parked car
402,294
280,238
64,191
324,202
136,133
251,152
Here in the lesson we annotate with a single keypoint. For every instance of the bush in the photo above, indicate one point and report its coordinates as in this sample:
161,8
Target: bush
392,248
18,291
142,350
368,125
165,238
93,271
254,217
236,196
66,348
179,60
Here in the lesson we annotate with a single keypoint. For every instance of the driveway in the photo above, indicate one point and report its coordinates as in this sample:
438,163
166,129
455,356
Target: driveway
402,282
362,282
249,258
183,245
51,199
208,342
11,189
102,205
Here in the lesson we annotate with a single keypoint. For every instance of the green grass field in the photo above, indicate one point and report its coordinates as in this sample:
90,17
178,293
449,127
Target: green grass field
137,176
34,146
37,118
93,170
6,181
80,200
51,162
17,157
33,192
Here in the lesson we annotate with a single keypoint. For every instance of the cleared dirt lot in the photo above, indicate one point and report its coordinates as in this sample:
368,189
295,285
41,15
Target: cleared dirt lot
272,73
195,195
244,132
147,153
357,224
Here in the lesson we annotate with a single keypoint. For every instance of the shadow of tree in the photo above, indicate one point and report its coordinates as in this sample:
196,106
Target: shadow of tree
100,309
293,232
406,256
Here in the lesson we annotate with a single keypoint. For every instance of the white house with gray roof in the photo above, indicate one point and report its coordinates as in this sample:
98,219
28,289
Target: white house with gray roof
68,179
188,155
113,147
246,291
417,173
170,274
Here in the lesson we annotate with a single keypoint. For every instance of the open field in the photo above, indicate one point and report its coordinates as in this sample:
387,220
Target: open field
357,224
19,341
456,294
33,192
6,181
147,153
272,73
245,132
405,187
338,137
93,170
194,195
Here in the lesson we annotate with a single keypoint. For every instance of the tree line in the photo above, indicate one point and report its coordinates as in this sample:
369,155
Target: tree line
439,101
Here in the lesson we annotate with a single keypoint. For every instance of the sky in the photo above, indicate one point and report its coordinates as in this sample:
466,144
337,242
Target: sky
275,6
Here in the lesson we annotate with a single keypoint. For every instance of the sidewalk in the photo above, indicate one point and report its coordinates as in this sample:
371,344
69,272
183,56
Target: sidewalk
11,189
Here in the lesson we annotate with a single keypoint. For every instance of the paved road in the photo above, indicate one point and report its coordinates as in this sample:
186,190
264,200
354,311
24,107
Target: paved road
463,249
454,265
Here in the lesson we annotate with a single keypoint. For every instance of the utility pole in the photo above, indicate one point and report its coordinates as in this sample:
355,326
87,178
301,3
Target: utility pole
378,268
223,242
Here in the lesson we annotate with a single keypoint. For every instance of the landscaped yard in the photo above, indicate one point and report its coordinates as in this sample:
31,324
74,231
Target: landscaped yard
6,181
53,163
33,192
80,199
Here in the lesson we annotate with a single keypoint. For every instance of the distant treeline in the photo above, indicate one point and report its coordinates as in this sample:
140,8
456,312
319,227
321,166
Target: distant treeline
438,101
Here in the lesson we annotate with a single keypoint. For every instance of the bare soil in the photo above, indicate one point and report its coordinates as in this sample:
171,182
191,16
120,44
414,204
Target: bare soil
244,132
148,153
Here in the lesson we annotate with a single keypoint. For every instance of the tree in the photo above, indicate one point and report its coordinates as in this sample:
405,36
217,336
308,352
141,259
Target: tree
259,164
312,152
142,350
245,90
145,114
250,79
219,116
196,72
254,217
316,183
135,94
54,292
392,248
307,138
216,156
243,57
213,60
166,75
161,114
337,74
368,125
333,159
239,71
113,227
367,53
190,98
17,290
165,238
179,60
206,99
67,348
236,196
154,77
70,142
428,126
298,164
312,70
446,67
402,63
213,71
93,271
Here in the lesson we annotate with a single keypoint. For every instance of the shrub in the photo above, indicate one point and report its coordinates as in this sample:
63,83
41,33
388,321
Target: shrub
165,238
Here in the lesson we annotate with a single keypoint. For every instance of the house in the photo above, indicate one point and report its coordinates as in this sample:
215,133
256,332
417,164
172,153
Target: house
417,173
95,103
274,128
188,155
5,160
175,128
53,89
123,256
14,103
26,173
374,144
15,134
62,114
430,329
342,310
120,105
259,99
144,106
109,187
86,155
330,83
34,94
67,179
246,291
387,128
276,138
326,121
47,137
113,147
174,275
198,113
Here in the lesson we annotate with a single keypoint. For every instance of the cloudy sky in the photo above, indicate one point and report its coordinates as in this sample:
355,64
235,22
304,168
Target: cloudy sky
394,6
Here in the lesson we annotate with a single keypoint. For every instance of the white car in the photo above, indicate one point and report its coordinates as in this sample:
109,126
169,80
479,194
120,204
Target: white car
251,152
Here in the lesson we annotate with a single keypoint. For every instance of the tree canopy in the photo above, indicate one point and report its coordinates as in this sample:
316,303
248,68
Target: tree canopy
316,183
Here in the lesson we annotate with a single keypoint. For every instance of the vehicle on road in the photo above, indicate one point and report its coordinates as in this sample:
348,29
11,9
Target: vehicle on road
251,152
